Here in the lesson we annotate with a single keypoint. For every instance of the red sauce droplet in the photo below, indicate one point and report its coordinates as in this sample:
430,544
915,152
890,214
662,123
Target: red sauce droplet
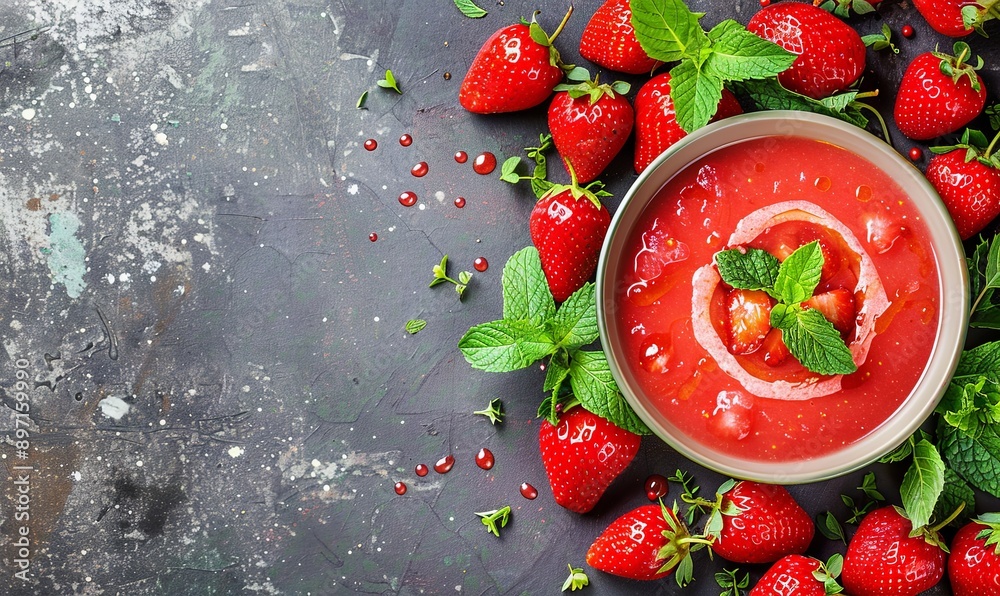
420,170
408,199
421,470
461,157
460,202
373,236
481,264
528,492
656,487
371,144
400,488
485,163
406,140
907,31
916,154
484,459
445,464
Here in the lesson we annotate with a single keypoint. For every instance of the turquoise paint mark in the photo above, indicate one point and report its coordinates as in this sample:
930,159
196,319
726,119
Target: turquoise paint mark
65,254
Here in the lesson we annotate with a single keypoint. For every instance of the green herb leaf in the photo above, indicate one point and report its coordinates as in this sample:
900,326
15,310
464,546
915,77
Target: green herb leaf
984,277
594,385
768,94
508,170
504,345
494,411
667,29
869,488
389,82
496,519
814,341
922,484
577,579
829,527
731,582
976,460
898,454
575,323
956,492
739,55
695,93
469,9
799,274
362,100
526,294
880,41
414,326
753,269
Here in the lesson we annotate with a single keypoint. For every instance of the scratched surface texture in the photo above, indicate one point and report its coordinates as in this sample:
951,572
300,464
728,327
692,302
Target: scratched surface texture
218,392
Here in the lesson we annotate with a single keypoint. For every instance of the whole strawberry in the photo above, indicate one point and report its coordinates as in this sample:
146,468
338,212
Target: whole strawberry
656,127
590,123
883,559
582,456
646,543
939,94
967,176
831,53
609,40
567,227
797,575
516,69
947,17
757,523
974,564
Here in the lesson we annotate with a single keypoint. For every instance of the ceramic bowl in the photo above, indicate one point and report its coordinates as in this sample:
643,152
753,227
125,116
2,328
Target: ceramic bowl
946,247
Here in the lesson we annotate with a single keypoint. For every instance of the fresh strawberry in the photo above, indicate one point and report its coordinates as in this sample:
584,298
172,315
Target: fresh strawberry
656,126
797,575
513,71
590,123
582,456
883,559
649,542
967,177
974,564
775,350
939,94
948,17
748,321
609,40
757,523
831,53
838,306
567,227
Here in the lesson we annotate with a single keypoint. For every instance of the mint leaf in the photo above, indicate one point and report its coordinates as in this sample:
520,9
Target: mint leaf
415,326
754,269
984,278
389,82
981,360
956,492
799,274
814,341
768,94
502,346
976,460
830,527
922,484
667,29
555,373
594,385
526,294
575,323
469,9
898,454
577,579
508,170
695,94
739,55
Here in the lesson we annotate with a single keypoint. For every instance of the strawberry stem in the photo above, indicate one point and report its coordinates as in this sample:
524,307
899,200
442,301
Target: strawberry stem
991,147
562,25
949,519
878,116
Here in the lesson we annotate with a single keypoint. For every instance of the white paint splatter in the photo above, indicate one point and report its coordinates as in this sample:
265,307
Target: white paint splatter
28,113
236,451
114,407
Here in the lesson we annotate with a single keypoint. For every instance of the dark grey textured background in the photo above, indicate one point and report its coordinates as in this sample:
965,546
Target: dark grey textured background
191,172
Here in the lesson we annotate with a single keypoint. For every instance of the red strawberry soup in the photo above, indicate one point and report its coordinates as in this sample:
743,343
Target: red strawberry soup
705,353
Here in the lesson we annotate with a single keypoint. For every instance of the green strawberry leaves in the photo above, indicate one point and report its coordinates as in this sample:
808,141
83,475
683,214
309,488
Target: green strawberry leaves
533,329
668,31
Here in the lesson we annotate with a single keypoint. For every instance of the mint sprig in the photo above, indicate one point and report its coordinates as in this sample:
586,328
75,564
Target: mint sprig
577,579
668,31
440,272
533,329
539,175
495,520
809,336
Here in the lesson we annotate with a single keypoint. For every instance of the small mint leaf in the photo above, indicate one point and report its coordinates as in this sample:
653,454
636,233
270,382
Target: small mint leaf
469,9
696,94
577,579
667,29
415,326
508,170
502,346
799,274
922,484
526,294
739,55
814,342
830,527
753,269
389,82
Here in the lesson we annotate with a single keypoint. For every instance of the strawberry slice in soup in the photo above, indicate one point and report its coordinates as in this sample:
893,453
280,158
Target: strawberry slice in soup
855,302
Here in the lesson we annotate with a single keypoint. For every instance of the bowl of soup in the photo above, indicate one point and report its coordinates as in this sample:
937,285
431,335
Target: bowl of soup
704,263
